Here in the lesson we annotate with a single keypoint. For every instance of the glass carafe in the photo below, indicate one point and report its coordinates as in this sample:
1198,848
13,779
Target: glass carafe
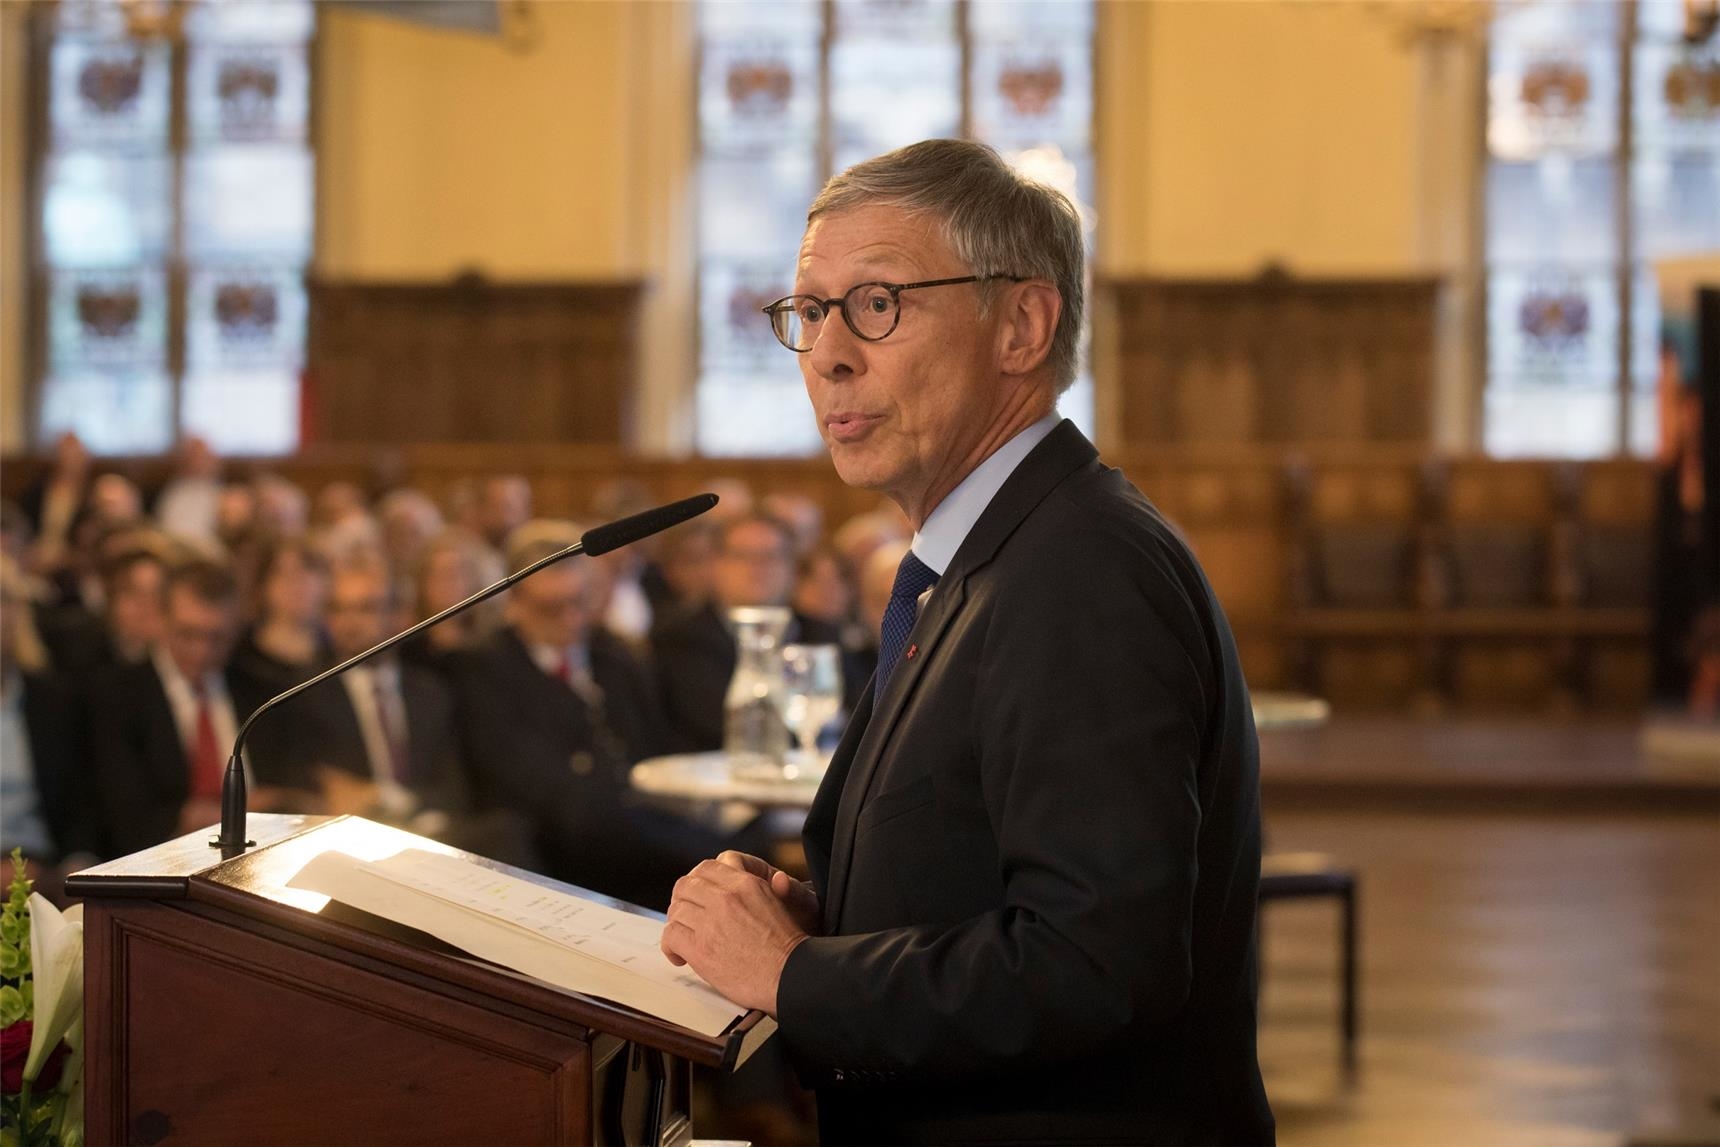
754,732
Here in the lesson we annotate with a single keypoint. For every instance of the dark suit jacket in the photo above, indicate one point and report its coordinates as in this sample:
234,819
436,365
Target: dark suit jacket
1038,858
58,752
328,733
142,773
535,747
695,657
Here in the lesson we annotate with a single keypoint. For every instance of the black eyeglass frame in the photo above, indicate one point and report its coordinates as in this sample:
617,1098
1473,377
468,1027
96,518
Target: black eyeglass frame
840,303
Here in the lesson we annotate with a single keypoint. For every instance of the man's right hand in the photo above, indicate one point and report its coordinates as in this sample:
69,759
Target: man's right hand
796,895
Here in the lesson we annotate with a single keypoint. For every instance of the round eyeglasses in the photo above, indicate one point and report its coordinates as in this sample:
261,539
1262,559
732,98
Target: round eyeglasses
871,310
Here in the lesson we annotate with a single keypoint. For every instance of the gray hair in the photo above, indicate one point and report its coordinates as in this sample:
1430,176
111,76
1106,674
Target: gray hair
996,220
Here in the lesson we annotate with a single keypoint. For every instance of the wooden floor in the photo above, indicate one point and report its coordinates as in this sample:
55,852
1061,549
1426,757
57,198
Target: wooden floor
1543,980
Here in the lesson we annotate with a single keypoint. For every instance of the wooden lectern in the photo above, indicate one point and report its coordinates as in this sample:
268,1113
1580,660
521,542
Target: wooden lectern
223,1007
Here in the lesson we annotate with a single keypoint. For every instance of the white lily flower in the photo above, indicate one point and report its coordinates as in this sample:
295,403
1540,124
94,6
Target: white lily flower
57,968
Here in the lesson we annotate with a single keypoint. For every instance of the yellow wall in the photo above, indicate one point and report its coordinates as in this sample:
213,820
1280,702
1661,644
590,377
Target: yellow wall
444,151
1239,133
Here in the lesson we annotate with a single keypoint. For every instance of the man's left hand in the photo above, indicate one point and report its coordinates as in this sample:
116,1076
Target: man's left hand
733,930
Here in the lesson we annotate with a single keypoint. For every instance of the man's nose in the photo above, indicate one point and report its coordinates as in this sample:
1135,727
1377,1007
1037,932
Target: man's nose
837,352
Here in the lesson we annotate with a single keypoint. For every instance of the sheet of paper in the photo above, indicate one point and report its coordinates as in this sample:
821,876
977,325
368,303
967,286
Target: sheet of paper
555,936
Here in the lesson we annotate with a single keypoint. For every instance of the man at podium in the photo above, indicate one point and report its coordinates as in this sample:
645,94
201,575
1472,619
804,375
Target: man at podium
1036,853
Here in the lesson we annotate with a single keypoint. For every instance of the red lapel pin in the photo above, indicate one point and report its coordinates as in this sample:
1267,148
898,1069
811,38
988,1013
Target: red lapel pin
913,649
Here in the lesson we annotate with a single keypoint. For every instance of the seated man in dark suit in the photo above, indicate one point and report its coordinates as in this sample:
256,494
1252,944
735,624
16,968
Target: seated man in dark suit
694,649
1035,856
162,728
554,714
129,621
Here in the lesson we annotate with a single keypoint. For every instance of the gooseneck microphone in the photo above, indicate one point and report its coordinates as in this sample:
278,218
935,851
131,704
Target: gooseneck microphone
595,541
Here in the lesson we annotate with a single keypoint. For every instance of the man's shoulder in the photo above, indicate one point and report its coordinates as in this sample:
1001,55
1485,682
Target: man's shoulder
1097,516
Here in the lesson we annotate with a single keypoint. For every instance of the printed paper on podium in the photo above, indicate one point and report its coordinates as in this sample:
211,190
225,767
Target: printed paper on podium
563,939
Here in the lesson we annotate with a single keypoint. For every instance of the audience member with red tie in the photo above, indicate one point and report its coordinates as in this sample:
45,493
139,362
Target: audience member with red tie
162,728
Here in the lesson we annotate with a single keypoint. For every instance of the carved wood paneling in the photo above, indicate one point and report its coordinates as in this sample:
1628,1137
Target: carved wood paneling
471,361
1275,360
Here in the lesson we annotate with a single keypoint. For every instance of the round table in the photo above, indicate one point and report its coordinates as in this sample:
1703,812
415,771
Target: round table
713,777
1280,712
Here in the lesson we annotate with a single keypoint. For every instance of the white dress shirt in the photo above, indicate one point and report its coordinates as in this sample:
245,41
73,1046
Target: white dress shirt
363,682
182,698
947,528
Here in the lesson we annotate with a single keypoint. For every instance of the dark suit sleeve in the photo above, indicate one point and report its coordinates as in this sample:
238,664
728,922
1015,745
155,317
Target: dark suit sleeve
137,808
1089,716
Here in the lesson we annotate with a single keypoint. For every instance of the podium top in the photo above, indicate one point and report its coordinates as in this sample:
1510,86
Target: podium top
253,886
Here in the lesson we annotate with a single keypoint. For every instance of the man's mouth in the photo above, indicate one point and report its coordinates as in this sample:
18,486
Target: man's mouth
847,426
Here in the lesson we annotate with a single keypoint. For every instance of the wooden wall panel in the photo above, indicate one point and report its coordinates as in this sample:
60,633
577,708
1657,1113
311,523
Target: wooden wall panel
471,361
1275,360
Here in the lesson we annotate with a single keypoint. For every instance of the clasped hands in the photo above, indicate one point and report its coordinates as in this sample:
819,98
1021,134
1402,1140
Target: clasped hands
734,920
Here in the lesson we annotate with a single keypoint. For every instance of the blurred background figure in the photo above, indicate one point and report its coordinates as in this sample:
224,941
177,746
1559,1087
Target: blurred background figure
47,806
409,520
801,514
453,566
189,506
506,505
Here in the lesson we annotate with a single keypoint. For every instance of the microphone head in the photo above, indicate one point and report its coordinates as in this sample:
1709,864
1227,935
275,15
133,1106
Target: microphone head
625,532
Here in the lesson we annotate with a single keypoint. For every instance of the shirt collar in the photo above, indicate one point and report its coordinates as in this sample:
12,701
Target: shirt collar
948,526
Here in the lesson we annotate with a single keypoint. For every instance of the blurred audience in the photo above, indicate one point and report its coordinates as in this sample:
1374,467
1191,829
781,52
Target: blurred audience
45,802
134,648
506,505
189,506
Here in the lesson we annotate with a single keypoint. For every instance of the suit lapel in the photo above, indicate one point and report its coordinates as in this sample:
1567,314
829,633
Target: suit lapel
1063,451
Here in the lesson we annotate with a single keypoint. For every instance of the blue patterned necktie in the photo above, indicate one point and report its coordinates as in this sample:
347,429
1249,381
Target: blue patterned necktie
913,577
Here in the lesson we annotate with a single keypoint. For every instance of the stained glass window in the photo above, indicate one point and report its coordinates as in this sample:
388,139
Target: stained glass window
1591,107
790,92
177,217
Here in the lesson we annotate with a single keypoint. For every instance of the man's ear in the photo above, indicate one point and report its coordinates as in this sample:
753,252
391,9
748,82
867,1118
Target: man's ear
1027,325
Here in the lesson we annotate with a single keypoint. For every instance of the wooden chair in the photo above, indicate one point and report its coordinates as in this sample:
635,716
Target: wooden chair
1300,876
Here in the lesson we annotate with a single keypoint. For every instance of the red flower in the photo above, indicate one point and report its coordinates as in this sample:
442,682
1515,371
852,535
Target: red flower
15,1053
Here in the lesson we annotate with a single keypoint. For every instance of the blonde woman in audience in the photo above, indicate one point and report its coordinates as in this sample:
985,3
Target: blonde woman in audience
454,566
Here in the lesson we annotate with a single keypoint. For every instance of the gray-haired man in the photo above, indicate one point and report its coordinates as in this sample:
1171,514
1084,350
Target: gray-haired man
1036,854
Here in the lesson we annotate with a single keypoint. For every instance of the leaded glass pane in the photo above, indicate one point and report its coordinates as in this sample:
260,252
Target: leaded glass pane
1677,98
885,96
754,207
1552,327
251,199
114,412
252,21
759,92
243,316
105,210
1031,92
1558,209
742,414
1532,421
102,320
733,332
1023,20
1676,200
245,412
109,94
248,93
1553,83
895,20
